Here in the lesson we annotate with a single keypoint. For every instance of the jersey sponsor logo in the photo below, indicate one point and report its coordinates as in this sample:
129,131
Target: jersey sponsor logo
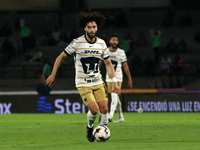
91,52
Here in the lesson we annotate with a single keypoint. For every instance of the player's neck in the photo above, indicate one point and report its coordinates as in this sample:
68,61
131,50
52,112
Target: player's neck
112,49
90,40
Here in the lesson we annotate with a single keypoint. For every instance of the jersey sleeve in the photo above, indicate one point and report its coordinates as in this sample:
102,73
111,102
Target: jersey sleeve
106,53
71,48
124,58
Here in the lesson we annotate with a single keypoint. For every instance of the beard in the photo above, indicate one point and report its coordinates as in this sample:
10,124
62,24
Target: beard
113,45
91,36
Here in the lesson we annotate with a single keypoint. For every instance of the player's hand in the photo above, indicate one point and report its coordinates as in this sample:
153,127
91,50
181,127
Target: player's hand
50,80
116,88
130,83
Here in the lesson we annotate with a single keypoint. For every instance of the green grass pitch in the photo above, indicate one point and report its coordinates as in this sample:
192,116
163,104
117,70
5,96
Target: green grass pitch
145,131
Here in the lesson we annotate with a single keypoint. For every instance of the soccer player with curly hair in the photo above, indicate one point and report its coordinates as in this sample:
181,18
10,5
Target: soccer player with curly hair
88,50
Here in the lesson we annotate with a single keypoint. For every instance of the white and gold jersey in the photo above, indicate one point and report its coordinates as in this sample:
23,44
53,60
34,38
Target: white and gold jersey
86,57
117,58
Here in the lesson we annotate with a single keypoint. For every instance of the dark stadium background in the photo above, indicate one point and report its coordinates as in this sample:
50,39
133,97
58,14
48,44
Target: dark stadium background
178,20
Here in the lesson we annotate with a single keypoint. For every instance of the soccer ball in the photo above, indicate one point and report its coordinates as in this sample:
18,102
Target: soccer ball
139,110
101,133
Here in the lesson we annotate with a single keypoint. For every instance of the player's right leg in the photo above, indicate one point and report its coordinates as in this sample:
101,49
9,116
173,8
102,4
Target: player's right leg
89,100
100,93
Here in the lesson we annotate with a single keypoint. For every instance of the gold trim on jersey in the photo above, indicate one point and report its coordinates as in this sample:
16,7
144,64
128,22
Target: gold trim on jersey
84,72
104,49
89,77
116,52
72,47
68,51
80,42
90,49
89,55
100,43
117,55
88,43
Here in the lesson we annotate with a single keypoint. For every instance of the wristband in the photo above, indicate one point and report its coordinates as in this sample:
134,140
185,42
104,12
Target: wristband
114,79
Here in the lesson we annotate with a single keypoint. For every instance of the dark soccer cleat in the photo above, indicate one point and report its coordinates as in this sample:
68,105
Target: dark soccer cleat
109,119
90,137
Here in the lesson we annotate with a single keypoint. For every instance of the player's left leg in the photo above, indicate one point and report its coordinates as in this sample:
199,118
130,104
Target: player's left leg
100,94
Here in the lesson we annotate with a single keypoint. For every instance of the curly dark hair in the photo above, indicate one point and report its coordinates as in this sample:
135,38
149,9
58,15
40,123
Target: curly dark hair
85,17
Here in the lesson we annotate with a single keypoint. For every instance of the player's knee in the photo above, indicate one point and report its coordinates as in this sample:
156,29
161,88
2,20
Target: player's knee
109,91
94,111
104,110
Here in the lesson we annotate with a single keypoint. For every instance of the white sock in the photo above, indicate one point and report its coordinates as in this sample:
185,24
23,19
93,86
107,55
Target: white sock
119,108
90,118
104,119
113,105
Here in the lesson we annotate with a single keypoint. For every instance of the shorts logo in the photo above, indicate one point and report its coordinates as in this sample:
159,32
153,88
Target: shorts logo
85,100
